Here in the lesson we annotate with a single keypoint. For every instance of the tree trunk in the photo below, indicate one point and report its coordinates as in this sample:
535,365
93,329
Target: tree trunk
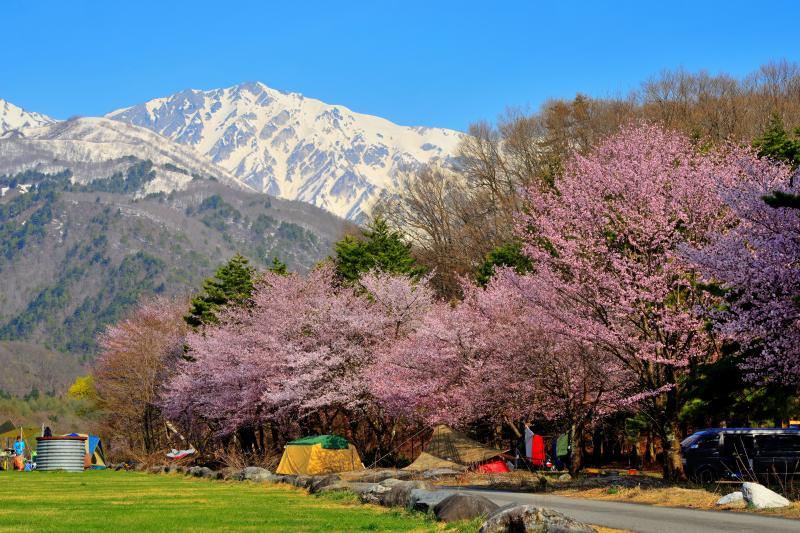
575,448
673,466
671,438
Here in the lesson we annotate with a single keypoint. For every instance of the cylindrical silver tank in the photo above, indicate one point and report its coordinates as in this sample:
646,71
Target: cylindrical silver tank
61,453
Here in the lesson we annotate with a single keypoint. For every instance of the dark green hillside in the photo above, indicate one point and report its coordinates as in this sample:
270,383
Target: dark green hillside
73,258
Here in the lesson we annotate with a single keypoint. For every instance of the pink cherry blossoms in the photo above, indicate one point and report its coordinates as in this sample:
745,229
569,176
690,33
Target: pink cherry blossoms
302,347
607,248
759,261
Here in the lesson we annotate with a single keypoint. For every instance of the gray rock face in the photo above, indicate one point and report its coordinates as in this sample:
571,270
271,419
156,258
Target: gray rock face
732,498
462,506
761,497
236,474
255,473
317,483
425,500
440,472
399,492
376,476
200,471
519,518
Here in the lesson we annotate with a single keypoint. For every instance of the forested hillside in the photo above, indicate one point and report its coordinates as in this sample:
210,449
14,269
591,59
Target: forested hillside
74,258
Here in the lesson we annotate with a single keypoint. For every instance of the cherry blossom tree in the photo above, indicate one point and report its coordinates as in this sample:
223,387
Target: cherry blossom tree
299,350
137,356
759,262
606,245
494,356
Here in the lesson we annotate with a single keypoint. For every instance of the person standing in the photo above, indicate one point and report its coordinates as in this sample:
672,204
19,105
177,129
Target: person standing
19,454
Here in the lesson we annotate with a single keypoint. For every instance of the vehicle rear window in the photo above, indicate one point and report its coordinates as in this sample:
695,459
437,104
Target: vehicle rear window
778,443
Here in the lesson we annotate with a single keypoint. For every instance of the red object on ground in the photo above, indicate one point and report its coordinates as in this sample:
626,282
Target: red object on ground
492,466
537,451
631,471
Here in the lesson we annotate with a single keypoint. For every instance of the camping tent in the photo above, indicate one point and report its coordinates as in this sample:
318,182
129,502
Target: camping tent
450,449
321,454
95,458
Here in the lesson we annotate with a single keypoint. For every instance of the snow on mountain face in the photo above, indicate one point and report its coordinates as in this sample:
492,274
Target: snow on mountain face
15,118
295,147
96,148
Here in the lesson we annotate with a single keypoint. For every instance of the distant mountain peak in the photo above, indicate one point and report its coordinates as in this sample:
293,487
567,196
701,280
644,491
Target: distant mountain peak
13,117
295,147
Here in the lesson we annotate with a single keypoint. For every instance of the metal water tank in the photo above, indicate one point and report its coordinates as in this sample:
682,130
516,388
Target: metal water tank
61,453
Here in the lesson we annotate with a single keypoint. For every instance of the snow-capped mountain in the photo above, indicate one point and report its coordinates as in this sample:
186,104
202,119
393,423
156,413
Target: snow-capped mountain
295,147
96,148
14,118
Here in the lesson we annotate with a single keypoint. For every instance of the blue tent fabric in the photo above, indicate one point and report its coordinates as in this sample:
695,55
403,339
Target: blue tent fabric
93,441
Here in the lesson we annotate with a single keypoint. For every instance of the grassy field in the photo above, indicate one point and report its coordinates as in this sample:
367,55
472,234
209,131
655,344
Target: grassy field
128,501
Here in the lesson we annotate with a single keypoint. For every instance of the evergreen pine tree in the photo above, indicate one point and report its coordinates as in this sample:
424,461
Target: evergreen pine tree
509,255
379,247
232,284
778,145
278,267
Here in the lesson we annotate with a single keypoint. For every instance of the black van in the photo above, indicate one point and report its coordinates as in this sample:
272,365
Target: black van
764,454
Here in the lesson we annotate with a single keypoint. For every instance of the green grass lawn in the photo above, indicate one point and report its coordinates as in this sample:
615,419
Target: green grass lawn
129,501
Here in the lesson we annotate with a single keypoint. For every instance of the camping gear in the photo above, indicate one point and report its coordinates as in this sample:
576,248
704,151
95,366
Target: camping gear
450,449
180,454
19,462
496,466
61,453
95,457
528,442
320,454
534,448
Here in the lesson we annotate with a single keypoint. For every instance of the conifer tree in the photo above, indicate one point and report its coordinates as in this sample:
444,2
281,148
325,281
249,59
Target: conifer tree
378,248
231,284
509,255
778,145
278,267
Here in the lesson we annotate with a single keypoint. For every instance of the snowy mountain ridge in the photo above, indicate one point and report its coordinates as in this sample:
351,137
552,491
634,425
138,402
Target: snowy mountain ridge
14,118
95,148
294,147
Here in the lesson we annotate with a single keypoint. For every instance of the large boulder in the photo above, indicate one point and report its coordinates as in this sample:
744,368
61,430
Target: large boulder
366,492
399,492
517,518
200,471
375,476
462,506
256,473
440,472
734,498
235,474
317,483
761,497
176,469
425,500
302,482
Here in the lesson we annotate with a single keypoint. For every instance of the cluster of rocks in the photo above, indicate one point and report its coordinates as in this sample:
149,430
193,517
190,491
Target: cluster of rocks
756,496
395,488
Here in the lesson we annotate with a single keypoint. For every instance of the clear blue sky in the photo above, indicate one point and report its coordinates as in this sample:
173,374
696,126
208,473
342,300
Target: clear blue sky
436,63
